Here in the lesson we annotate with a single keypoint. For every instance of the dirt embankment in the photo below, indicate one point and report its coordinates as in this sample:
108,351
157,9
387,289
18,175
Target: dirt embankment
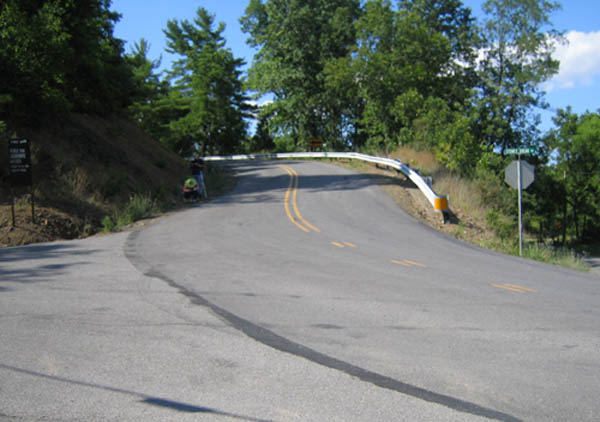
84,168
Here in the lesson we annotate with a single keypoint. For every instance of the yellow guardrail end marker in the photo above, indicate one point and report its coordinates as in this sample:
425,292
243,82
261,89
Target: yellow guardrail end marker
441,203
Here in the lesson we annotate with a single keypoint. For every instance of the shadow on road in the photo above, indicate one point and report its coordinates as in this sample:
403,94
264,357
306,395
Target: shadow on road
256,188
33,254
151,400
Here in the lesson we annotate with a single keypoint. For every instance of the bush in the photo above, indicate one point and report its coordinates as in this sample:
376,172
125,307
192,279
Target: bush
139,206
503,225
107,225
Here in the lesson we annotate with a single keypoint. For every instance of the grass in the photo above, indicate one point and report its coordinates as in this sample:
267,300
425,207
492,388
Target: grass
462,192
140,206
558,256
423,160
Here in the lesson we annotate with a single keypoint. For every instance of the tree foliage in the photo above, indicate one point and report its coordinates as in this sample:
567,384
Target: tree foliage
519,41
206,89
407,58
58,55
576,145
296,39
149,91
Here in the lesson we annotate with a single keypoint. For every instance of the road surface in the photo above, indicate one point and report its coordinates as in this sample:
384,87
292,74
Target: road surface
305,294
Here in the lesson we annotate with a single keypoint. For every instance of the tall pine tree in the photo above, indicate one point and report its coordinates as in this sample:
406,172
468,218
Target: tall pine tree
207,89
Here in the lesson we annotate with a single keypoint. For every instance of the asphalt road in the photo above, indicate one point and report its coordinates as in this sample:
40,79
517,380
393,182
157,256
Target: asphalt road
305,294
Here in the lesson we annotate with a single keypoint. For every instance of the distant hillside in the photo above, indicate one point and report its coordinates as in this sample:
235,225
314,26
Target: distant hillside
84,168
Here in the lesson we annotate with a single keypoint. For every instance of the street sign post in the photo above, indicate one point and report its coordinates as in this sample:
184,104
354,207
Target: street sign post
519,151
519,175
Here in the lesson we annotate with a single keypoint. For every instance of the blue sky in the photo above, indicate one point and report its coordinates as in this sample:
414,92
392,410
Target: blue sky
577,84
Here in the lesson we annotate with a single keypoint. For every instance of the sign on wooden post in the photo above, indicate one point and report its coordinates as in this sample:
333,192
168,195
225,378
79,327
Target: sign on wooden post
19,170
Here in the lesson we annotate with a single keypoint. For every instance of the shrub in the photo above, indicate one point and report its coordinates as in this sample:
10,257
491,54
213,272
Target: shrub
107,225
139,206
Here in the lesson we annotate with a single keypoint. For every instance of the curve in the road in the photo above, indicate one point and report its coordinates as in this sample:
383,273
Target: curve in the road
271,339
377,295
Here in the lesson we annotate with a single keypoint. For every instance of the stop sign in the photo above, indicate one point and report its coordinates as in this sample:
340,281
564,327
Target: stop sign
527,174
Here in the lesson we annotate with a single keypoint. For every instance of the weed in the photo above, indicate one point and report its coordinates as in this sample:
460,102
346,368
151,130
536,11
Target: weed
23,201
77,181
139,206
502,225
88,229
423,160
107,225
558,256
460,231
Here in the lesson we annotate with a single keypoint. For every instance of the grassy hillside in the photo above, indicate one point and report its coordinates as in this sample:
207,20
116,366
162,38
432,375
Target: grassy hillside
84,169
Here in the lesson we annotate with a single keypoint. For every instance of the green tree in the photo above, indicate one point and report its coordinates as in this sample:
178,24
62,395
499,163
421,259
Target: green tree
519,41
59,55
576,143
543,203
262,140
149,106
409,58
296,40
33,43
207,89
98,78
456,24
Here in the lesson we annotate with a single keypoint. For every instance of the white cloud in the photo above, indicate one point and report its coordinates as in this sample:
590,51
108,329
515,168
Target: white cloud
579,61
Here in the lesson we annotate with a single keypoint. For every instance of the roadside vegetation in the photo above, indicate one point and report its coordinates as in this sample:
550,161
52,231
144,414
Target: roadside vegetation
489,215
473,219
419,79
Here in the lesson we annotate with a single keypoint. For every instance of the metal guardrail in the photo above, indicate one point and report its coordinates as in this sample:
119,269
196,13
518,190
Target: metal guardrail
438,202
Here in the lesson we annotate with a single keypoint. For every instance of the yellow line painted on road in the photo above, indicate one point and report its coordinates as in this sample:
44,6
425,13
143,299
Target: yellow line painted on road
343,244
295,204
525,289
286,203
292,191
513,288
416,264
395,261
408,263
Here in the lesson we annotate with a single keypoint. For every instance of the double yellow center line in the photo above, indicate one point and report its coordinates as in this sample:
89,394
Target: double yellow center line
290,196
408,263
513,288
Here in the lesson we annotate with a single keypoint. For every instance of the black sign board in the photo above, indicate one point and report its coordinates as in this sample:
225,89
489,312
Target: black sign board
19,163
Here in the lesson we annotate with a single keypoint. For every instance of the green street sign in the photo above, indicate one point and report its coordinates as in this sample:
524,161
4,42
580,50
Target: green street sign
519,151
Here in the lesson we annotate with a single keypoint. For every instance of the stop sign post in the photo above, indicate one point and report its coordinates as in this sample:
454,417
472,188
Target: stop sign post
519,175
